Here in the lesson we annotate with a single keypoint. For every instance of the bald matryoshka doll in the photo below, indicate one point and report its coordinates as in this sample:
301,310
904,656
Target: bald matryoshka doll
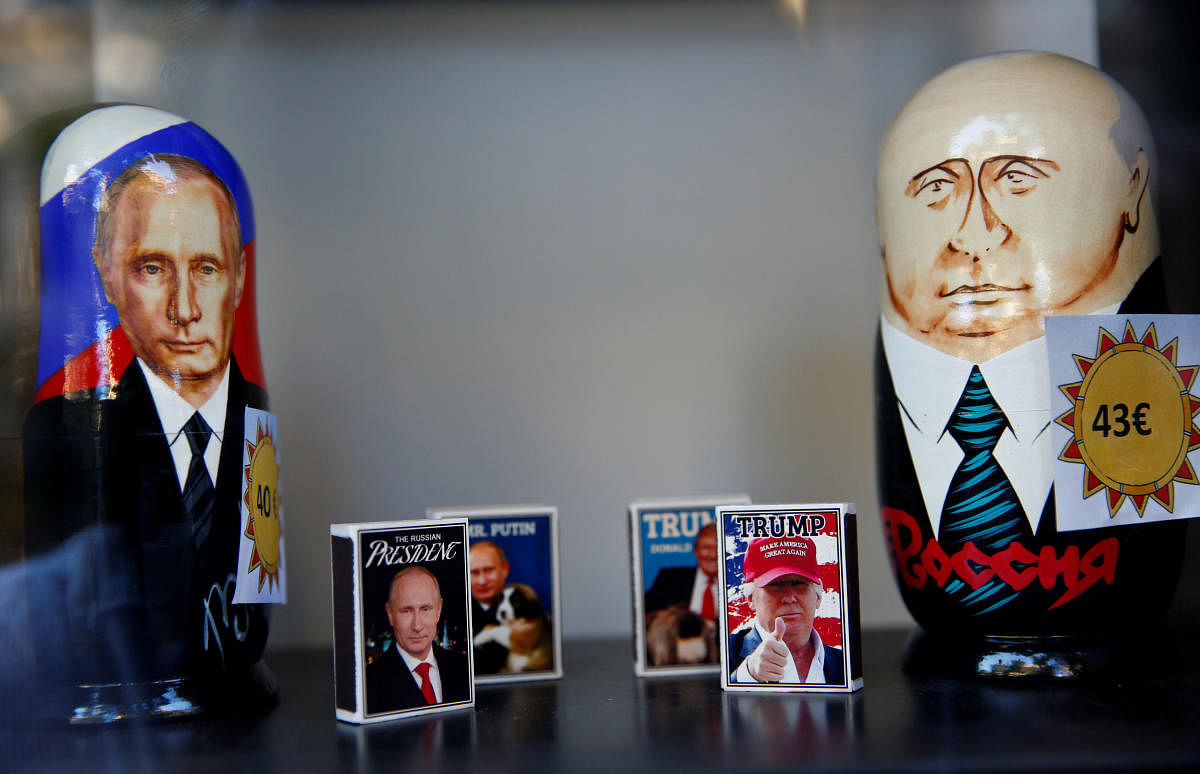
1010,188
152,504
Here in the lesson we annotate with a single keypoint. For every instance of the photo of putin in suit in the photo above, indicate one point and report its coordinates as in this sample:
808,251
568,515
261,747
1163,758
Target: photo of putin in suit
153,465
414,671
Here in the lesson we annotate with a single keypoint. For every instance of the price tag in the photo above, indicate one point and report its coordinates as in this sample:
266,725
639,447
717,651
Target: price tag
260,569
1124,418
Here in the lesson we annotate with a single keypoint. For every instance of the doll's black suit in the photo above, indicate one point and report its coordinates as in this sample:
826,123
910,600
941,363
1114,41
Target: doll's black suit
1149,553
142,601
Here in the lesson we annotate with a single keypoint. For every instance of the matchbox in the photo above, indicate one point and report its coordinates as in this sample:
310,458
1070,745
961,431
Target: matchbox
515,600
401,619
789,611
674,556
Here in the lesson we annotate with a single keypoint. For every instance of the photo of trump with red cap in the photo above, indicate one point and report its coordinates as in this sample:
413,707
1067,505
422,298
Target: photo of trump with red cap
778,644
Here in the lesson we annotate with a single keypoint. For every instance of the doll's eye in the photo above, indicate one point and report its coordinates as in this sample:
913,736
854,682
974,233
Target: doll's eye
934,189
1020,176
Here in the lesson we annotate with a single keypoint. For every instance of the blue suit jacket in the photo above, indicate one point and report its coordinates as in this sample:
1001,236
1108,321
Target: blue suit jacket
743,642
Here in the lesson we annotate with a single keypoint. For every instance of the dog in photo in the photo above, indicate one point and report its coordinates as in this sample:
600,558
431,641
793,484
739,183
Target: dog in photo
523,629
676,635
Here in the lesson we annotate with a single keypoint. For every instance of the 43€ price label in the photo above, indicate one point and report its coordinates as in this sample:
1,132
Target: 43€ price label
1131,419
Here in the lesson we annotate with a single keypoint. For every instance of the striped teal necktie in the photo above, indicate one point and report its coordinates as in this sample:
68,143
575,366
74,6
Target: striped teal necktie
981,504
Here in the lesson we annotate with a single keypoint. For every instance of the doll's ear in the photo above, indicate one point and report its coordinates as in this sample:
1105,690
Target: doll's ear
1139,181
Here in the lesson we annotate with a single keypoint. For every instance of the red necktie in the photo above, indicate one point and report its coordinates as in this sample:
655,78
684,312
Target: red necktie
707,610
426,685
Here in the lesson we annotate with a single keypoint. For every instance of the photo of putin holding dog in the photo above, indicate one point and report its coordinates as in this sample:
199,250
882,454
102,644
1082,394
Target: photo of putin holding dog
511,628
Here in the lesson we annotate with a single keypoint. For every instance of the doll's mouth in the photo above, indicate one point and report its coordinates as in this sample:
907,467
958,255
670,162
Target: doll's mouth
986,293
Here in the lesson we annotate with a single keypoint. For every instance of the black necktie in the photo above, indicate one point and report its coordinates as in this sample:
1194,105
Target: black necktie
981,504
198,492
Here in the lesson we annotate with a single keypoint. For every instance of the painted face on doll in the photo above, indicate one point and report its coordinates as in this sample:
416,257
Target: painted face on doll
170,262
1003,197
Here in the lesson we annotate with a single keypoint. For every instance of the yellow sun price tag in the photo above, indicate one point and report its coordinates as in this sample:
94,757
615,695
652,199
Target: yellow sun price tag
1129,418
260,558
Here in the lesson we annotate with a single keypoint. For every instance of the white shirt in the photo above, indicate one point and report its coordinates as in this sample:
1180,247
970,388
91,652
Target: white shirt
816,670
928,386
435,675
699,588
174,412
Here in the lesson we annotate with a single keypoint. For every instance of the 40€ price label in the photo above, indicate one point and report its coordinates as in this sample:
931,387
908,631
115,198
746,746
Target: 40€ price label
1131,419
261,558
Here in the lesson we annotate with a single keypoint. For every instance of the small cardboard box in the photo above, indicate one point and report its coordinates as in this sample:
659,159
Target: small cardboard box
515,600
675,632
789,607
400,595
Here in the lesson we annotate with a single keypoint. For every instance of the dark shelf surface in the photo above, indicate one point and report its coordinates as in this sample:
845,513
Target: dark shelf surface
601,717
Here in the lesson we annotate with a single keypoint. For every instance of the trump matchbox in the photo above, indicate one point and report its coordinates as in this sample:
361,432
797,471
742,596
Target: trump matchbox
789,611
401,619
673,546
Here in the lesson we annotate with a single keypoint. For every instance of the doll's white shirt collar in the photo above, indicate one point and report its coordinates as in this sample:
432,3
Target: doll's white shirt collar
928,385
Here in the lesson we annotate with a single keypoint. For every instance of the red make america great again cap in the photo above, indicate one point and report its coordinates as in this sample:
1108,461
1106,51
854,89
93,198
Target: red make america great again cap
770,558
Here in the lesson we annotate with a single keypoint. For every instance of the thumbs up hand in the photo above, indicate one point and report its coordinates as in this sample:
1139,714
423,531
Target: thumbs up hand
767,662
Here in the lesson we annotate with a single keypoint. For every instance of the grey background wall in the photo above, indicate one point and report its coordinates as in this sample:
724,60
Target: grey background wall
562,253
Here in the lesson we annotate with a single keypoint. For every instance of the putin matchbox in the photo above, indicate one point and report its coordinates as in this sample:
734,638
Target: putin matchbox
673,543
515,601
401,619
789,598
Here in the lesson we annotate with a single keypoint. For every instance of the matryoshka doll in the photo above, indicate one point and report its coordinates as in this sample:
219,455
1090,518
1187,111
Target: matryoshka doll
152,503
1011,188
